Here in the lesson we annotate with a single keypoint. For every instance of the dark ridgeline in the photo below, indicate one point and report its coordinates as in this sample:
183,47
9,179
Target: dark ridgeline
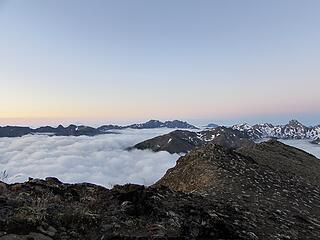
292,130
151,124
73,130
14,131
250,191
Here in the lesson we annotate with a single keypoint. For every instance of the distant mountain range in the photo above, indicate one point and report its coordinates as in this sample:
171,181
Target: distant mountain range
73,130
149,125
292,130
229,137
214,133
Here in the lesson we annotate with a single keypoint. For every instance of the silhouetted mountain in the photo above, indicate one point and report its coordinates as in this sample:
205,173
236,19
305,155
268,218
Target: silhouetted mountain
150,124
73,130
179,124
13,131
105,128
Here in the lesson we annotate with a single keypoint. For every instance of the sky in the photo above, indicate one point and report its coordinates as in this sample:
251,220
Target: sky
124,61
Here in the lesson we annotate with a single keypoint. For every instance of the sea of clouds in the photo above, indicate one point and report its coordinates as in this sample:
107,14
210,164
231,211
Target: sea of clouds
305,145
102,159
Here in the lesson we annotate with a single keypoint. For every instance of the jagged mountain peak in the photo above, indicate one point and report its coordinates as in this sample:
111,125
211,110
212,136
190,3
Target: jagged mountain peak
295,122
153,121
292,130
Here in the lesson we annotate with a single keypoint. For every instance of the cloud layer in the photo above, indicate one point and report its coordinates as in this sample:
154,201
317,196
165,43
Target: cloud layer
305,145
101,159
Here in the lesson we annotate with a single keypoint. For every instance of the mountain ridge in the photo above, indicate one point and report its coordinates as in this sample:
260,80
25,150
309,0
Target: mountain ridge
182,141
81,130
229,137
292,130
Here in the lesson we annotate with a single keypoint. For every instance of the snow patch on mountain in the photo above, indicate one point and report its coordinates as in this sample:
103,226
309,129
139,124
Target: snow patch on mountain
292,130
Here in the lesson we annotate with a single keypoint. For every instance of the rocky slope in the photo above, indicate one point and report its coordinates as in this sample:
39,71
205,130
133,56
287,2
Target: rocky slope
292,130
276,186
48,209
180,141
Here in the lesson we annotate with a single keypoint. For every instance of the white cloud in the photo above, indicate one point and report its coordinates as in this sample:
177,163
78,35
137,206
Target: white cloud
305,145
101,159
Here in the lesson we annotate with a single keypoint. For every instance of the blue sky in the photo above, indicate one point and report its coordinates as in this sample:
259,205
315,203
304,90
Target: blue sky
125,61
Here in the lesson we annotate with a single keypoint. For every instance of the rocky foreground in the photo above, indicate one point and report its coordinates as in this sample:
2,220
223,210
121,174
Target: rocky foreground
48,209
261,191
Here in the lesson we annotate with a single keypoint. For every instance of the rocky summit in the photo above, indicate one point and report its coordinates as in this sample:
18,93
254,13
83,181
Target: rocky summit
260,191
274,185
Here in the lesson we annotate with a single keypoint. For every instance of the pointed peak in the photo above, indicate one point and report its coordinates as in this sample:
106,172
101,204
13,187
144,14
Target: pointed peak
294,122
154,121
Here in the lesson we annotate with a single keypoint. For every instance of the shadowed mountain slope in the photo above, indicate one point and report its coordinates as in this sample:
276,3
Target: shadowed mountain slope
181,141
